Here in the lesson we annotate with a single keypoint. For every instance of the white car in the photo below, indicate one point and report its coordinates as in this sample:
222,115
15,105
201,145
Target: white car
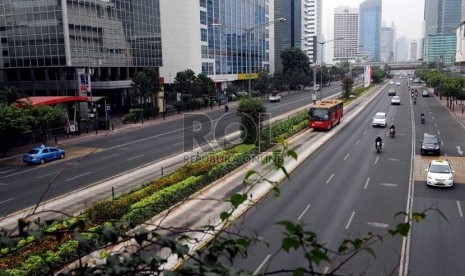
395,100
274,97
398,83
391,82
439,174
379,119
317,87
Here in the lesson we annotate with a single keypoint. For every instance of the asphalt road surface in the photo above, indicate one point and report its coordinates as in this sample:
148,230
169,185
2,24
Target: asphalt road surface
346,190
21,186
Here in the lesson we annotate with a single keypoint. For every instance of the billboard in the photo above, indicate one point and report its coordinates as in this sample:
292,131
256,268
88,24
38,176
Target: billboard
84,82
367,76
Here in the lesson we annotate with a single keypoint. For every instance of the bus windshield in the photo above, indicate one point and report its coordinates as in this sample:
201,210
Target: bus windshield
320,114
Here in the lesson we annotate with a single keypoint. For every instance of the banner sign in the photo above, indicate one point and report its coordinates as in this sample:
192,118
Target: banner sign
367,76
84,82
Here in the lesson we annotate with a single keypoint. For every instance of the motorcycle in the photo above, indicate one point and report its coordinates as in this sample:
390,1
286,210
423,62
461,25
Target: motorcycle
414,101
379,146
226,108
392,132
422,119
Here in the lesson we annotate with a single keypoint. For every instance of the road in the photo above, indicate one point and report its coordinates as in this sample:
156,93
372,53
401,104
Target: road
346,190
92,161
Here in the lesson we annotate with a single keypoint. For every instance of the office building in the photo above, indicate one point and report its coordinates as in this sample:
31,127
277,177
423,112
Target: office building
460,40
370,27
289,33
442,18
387,43
211,37
442,47
312,29
402,49
346,21
413,51
47,46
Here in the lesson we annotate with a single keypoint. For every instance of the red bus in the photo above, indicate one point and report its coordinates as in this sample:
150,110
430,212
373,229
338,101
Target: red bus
326,114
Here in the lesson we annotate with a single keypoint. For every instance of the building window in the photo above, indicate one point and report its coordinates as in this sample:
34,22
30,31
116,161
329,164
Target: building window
203,18
204,51
203,3
203,35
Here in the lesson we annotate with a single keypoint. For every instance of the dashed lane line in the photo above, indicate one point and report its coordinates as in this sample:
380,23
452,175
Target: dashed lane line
350,219
366,183
329,179
259,268
304,211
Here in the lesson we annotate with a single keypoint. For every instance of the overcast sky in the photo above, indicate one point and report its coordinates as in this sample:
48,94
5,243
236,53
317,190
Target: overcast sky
407,16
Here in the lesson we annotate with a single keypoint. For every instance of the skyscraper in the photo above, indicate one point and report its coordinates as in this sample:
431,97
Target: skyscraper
346,22
302,28
289,33
413,51
113,39
211,37
442,18
402,47
370,27
387,43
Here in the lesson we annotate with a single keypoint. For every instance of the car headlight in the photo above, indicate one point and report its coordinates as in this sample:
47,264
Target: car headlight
423,147
450,177
429,178
436,147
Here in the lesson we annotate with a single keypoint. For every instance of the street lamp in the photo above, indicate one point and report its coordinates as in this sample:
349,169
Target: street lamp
322,43
249,42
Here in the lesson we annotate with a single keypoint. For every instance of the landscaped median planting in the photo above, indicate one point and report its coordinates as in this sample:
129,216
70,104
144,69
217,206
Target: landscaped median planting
43,252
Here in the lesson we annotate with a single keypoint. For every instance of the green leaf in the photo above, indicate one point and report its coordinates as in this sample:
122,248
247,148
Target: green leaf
224,216
141,237
292,154
110,235
403,228
300,271
277,191
237,199
319,256
290,243
250,173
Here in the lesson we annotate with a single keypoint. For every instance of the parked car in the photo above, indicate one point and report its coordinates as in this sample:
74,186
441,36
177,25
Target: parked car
43,154
439,174
430,144
274,97
395,100
425,93
392,92
379,119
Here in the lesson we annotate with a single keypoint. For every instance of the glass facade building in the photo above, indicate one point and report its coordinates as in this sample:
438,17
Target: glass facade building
442,46
370,27
289,33
44,43
225,51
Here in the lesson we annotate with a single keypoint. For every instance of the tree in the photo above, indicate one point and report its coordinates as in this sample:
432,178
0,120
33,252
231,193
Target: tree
44,117
251,112
13,121
451,88
347,83
145,85
295,61
185,82
206,86
263,83
10,95
378,75
279,81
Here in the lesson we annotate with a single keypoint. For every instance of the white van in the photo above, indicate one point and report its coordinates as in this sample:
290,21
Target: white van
379,119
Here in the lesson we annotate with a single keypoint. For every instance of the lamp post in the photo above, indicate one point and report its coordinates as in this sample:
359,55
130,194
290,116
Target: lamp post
322,43
249,42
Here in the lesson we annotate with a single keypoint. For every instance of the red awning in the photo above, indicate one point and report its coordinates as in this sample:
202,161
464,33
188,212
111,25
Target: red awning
52,100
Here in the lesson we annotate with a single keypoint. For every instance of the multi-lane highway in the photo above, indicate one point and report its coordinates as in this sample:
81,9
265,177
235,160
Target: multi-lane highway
95,160
346,190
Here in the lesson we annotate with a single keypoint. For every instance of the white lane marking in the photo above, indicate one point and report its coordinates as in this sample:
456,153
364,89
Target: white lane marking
436,125
45,175
81,175
177,144
350,220
325,271
365,132
378,224
5,201
329,179
366,183
459,150
8,171
460,209
445,155
135,157
394,159
358,142
432,118
388,184
347,156
109,156
303,213
376,161
262,265
439,133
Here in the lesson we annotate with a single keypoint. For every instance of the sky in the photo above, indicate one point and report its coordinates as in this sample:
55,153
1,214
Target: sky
407,16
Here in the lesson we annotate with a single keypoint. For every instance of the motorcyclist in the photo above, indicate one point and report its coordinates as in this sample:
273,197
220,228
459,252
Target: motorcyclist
226,108
422,117
378,139
392,129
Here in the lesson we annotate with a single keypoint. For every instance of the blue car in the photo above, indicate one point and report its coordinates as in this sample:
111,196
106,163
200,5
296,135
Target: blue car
43,154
